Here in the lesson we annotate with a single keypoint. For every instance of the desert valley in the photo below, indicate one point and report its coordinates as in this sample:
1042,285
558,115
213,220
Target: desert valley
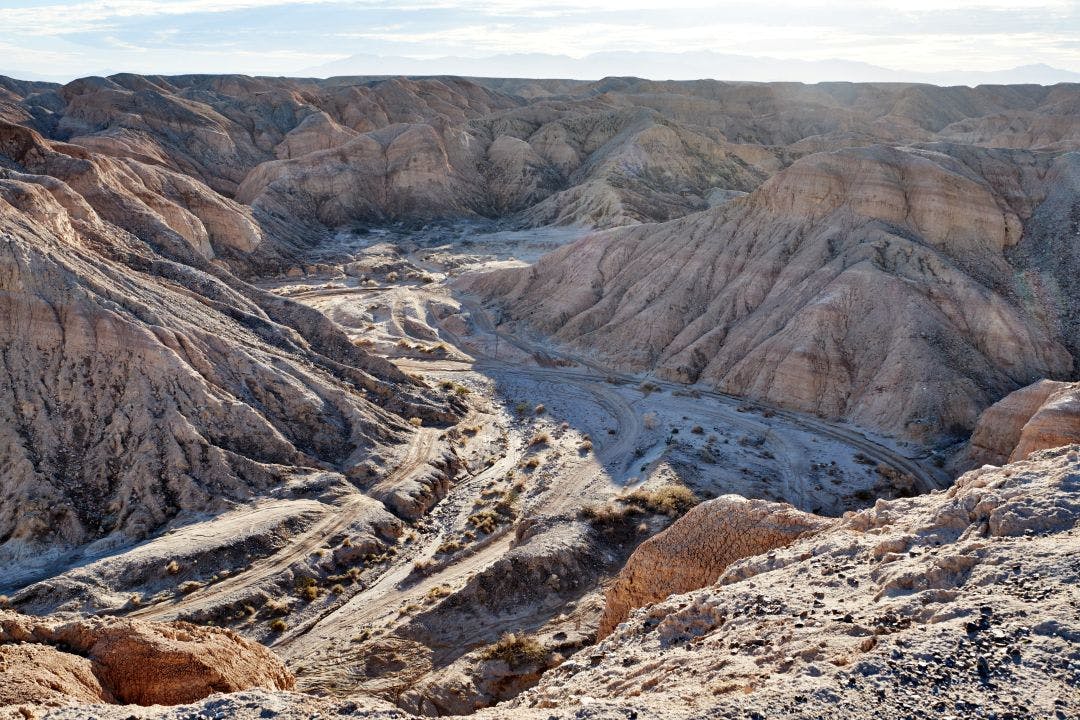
440,396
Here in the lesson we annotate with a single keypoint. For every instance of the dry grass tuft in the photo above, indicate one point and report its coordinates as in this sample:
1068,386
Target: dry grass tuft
671,500
516,650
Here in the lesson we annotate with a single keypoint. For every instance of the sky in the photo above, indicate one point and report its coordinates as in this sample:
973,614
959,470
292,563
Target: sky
63,39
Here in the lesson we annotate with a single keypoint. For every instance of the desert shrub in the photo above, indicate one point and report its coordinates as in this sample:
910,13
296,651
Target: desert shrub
531,464
415,421
485,521
606,515
278,625
671,500
438,592
276,607
586,446
173,568
337,589
697,430
540,438
189,586
516,650
448,547
648,387
539,409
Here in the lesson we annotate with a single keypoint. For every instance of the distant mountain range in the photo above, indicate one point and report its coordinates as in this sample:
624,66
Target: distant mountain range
678,66
650,65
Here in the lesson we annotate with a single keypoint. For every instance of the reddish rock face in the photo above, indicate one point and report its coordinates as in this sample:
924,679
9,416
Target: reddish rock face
127,661
696,550
1043,415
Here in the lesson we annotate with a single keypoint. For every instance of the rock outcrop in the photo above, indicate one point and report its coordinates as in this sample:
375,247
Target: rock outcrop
1042,415
913,607
52,661
696,550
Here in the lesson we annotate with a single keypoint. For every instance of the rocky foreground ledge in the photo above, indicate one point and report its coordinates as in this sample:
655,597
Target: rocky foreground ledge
963,603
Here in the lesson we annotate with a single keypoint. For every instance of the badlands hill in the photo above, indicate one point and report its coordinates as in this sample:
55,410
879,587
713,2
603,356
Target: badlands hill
243,385
904,288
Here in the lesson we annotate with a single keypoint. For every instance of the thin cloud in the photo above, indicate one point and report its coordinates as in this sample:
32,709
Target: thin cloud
261,35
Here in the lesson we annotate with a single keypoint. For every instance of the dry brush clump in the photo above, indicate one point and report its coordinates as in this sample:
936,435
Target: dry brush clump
671,500
516,650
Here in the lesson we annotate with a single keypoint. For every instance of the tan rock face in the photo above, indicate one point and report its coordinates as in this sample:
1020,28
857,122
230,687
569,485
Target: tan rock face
696,550
51,661
1043,415
874,284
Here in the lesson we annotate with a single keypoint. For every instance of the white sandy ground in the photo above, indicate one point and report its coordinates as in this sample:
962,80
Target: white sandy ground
397,299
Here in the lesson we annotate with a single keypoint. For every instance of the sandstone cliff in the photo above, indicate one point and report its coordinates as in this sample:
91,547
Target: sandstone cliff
1043,415
696,550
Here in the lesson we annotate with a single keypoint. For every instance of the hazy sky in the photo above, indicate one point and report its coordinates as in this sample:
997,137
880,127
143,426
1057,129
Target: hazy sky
80,37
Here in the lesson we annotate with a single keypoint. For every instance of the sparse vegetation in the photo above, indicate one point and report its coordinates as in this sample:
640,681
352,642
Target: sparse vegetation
540,438
276,607
539,409
516,650
438,592
448,547
671,500
647,388
278,625
173,568
415,421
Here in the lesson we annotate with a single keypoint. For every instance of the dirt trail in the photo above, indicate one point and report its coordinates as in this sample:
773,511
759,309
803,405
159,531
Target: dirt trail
337,520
